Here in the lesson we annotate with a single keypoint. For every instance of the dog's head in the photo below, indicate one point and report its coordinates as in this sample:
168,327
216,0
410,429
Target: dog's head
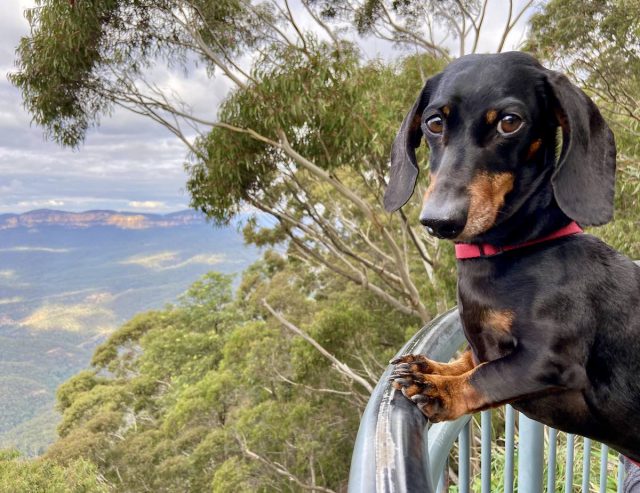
491,122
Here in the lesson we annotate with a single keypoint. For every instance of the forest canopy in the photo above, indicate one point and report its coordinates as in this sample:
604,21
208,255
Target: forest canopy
261,389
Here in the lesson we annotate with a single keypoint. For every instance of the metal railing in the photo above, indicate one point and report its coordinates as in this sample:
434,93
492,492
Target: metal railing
395,452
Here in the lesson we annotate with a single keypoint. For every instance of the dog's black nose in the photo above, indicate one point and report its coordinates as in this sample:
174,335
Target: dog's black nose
446,228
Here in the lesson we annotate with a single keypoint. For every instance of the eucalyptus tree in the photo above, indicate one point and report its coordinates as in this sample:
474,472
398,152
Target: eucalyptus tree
598,43
302,136
304,133
206,395
430,25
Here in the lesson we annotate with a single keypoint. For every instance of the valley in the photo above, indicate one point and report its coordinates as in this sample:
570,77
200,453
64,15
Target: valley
67,280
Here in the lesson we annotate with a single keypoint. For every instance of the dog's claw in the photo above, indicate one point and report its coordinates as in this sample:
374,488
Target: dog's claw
402,374
405,382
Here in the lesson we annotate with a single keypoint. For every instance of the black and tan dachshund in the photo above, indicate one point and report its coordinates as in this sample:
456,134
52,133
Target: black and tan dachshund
552,315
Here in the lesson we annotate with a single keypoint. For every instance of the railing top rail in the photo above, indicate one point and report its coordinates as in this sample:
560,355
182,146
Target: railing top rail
391,454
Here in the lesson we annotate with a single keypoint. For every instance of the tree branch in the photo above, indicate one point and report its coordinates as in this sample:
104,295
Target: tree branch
360,279
427,45
342,368
279,468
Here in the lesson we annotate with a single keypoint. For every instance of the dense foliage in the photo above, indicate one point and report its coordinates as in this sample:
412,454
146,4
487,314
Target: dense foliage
262,390
46,476
213,393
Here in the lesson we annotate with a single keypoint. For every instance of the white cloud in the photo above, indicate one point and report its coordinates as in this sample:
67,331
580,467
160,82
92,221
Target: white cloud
40,204
12,300
147,204
31,249
161,261
127,159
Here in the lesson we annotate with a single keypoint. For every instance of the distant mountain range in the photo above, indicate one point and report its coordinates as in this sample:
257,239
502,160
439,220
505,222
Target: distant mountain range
88,219
68,280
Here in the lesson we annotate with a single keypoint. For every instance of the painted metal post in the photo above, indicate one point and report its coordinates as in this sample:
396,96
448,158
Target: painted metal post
530,464
464,458
485,453
586,465
509,448
568,483
392,453
551,468
620,474
604,466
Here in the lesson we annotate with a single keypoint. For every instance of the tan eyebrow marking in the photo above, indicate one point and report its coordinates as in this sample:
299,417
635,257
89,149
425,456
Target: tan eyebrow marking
491,116
535,145
446,110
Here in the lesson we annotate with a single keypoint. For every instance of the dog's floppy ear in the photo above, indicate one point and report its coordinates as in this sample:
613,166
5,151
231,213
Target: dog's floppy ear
404,167
584,180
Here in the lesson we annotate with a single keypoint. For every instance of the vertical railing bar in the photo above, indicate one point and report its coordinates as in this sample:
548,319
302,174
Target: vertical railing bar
485,420
509,446
604,463
568,483
586,462
464,458
620,474
531,455
551,474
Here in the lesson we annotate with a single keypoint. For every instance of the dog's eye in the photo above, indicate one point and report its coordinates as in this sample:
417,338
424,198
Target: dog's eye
435,124
509,124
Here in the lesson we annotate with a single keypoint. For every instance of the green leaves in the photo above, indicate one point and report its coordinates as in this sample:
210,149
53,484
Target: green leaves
210,390
598,42
213,394
309,95
18,475
56,66
82,58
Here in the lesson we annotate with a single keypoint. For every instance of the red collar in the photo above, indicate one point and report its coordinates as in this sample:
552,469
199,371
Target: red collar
470,250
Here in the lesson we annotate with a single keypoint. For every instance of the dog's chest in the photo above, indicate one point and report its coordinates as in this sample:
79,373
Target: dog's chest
488,322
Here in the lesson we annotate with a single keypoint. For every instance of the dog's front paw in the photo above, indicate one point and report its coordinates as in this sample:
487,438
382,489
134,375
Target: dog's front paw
431,393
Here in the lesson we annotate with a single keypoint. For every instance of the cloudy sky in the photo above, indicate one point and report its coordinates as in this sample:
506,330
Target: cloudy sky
128,163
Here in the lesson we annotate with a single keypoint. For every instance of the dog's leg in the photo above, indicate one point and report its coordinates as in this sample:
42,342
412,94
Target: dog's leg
517,375
441,398
418,363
